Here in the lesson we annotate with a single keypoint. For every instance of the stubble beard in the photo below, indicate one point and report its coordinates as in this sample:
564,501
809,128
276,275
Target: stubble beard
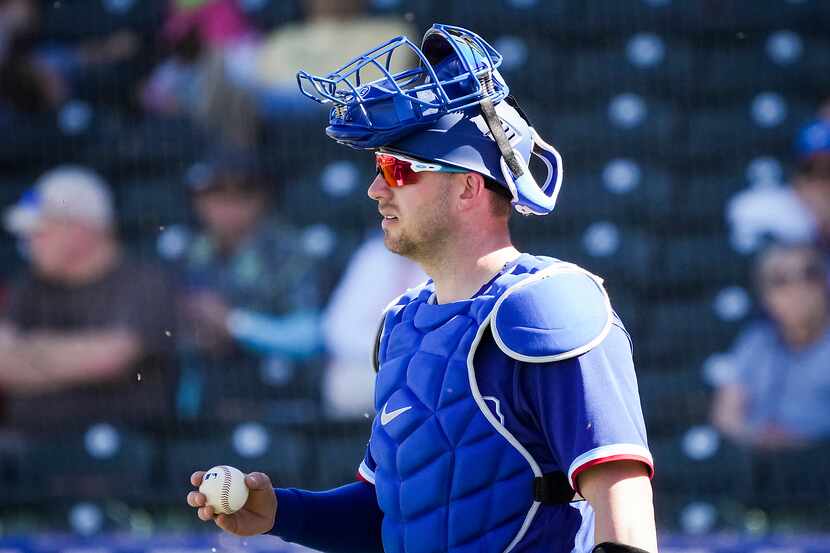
422,243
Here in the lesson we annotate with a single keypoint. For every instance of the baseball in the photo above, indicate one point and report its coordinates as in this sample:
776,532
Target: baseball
225,489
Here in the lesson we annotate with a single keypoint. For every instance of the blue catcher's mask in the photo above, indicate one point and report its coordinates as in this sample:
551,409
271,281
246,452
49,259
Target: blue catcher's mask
452,108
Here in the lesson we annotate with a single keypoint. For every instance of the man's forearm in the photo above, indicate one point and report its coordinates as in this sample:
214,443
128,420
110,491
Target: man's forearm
343,520
43,362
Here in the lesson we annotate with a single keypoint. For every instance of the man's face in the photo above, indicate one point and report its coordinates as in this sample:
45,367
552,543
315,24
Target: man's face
228,211
417,219
55,244
16,16
794,287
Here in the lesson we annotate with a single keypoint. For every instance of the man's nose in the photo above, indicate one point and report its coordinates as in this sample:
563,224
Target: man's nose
378,188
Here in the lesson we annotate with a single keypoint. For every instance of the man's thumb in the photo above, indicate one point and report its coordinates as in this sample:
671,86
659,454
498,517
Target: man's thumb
258,481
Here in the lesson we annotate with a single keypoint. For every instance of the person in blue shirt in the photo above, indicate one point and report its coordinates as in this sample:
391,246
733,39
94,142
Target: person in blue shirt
508,417
775,397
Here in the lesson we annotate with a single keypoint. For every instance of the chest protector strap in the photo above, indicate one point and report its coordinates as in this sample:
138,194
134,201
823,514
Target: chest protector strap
553,488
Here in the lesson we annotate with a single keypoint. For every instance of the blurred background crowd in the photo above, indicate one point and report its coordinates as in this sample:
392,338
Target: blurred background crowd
214,296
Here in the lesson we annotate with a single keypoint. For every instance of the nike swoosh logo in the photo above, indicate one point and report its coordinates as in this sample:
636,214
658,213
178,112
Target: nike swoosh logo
386,418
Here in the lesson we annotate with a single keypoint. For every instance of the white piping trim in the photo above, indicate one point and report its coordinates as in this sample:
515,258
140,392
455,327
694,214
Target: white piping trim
534,466
497,405
367,473
634,450
548,272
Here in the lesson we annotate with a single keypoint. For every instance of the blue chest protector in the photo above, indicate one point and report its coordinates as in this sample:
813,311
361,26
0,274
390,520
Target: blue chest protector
449,476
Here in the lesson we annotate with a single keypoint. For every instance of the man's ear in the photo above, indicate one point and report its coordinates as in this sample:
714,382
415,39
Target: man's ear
473,191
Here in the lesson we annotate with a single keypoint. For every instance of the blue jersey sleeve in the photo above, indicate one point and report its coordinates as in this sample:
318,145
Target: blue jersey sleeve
588,407
343,520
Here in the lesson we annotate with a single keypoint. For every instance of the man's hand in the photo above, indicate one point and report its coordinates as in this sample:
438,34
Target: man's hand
258,514
206,314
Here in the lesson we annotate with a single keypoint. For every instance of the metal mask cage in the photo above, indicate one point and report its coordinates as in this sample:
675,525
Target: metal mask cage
346,87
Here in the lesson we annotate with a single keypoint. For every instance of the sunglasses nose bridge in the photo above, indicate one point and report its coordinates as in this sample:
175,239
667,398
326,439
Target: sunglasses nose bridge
379,187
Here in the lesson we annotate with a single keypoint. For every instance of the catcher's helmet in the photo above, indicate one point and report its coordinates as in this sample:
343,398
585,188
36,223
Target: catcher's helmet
453,108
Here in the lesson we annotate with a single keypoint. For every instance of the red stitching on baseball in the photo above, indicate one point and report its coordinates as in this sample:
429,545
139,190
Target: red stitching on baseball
226,488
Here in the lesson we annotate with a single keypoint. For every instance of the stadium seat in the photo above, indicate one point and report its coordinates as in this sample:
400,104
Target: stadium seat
599,20
105,462
36,141
690,263
742,67
625,190
620,124
491,17
730,15
534,70
671,397
685,329
299,144
268,389
150,145
339,448
147,205
722,474
619,254
761,125
335,194
646,63
700,200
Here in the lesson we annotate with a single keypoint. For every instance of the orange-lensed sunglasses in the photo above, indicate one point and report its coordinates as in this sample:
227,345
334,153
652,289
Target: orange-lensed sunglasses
398,170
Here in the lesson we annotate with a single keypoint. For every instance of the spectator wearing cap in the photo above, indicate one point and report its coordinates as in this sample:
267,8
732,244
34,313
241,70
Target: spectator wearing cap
250,297
812,177
85,337
774,403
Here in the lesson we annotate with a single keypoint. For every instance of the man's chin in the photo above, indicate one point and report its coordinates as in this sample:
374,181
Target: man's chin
396,245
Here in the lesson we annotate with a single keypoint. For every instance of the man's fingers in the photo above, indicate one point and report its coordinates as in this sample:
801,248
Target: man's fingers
196,499
258,481
196,478
205,513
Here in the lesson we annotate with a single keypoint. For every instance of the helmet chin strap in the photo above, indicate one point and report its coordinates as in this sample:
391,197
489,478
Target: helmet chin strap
528,197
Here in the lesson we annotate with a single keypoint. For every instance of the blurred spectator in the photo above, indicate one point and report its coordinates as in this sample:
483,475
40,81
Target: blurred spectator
797,213
251,298
212,46
36,75
332,29
87,333
27,83
351,320
812,178
779,395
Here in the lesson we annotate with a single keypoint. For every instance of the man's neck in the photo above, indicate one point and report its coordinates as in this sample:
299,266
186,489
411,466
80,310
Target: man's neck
460,274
